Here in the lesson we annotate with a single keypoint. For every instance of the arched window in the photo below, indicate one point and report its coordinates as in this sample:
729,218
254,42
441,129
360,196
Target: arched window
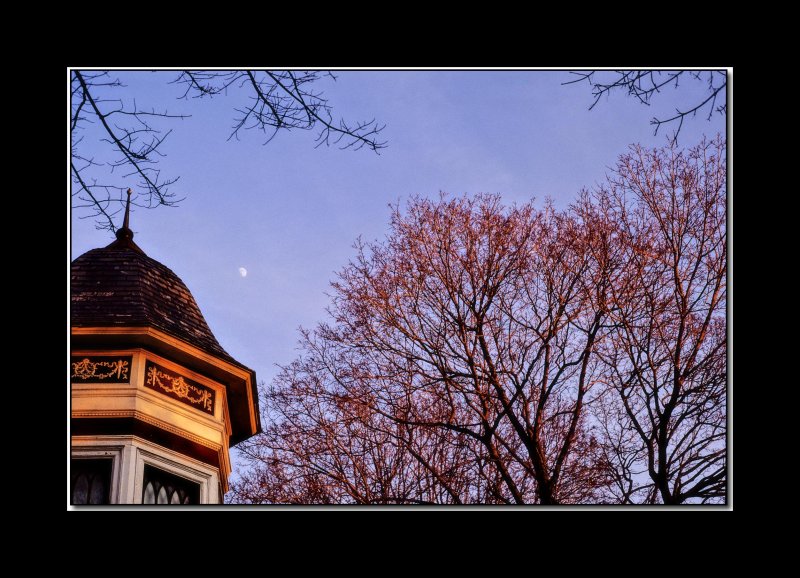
160,487
91,481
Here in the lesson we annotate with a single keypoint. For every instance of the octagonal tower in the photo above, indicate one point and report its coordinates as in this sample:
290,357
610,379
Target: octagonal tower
156,401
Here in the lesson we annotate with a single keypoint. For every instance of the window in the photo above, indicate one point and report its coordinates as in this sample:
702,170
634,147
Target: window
91,481
160,487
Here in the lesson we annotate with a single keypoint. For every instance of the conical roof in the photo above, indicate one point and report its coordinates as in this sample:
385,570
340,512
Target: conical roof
120,286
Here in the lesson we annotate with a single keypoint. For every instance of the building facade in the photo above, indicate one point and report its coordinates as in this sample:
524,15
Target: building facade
156,402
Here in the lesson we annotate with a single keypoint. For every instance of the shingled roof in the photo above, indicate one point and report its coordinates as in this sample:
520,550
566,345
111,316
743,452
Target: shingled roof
120,286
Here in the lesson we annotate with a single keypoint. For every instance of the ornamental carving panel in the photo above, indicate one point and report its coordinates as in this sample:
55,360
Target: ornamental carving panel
178,387
91,369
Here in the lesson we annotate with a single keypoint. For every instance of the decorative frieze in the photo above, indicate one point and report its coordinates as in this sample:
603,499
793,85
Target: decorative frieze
178,387
91,369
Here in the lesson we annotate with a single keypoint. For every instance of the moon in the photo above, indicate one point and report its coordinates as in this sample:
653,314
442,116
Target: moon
242,271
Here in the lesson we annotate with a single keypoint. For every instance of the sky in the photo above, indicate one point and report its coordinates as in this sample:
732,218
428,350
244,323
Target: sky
289,213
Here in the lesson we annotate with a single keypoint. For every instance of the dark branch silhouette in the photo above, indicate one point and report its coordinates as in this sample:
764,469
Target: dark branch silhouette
279,100
643,85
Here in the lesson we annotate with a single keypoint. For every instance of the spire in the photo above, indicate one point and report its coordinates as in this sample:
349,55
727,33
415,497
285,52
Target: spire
127,211
124,233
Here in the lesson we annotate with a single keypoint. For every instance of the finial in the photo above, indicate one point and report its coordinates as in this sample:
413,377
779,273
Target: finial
124,233
127,211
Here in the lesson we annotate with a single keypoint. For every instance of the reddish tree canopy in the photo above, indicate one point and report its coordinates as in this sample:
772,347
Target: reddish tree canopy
492,354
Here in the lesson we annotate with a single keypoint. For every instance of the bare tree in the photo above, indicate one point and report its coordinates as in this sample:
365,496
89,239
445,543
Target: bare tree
278,100
644,85
485,354
667,358
322,448
457,369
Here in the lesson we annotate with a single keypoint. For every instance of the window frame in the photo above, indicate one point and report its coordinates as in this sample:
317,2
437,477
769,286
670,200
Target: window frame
99,452
130,454
177,467
108,481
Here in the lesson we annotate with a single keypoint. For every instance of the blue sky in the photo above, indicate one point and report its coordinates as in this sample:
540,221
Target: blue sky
289,213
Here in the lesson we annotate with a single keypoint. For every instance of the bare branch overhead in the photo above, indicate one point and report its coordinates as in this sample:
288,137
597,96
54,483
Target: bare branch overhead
134,136
645,85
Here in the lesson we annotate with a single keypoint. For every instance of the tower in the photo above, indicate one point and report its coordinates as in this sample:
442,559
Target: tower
156,402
